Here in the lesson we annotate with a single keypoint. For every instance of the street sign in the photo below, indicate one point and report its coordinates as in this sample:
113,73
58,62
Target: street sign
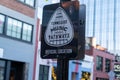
117,70
60,24
59,31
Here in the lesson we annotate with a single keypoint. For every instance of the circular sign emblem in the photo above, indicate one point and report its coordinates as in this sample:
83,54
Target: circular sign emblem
59,31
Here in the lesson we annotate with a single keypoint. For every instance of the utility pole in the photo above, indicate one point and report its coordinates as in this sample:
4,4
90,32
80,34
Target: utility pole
62,69
62,64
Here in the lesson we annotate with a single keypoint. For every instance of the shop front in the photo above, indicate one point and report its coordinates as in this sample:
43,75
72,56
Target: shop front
13,70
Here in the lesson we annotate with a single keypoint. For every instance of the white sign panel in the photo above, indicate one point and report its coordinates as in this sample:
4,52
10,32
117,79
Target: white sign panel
59,30
59,35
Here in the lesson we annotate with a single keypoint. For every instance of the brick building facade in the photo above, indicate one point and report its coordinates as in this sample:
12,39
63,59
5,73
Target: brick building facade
103,60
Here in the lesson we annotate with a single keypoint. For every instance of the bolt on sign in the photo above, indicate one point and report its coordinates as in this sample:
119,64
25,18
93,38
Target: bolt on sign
60,30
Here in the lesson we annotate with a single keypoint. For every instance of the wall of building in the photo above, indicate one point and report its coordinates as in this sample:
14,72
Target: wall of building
22,8
104,55
40,61
13,49
97,50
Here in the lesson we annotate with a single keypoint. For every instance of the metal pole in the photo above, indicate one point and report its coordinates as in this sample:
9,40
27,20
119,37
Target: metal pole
62,69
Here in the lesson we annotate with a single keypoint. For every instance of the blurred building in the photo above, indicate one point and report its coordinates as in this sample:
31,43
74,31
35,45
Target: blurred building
103,60
102,22
78,69
96,65
18,36
81,70
43,67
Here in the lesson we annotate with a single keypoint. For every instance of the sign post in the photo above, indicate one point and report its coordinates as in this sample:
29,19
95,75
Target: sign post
62,69
63,34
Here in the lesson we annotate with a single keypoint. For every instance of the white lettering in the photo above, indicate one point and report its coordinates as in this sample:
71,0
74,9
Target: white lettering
59,51
65,51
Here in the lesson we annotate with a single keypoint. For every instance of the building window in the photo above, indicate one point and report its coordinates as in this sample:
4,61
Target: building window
2,69
99,63
14,28
107,65
27,32
2,21
29,2
43,72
